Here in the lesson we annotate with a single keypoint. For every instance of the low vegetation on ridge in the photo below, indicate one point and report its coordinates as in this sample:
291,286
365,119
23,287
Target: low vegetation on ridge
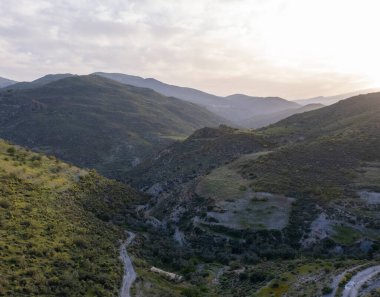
55,235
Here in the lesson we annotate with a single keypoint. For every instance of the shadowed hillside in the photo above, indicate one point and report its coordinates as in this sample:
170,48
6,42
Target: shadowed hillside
98,123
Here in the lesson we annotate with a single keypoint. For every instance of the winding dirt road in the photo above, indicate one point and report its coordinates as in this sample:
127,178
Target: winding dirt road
129,272
352,288
338,278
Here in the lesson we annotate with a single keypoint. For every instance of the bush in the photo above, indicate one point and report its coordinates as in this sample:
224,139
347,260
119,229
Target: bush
4,203
11,151
327,290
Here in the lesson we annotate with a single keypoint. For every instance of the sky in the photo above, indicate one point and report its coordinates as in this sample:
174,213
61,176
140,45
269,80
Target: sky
289,48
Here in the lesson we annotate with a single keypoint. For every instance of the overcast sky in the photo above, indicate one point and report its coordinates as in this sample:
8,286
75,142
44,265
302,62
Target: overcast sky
288,48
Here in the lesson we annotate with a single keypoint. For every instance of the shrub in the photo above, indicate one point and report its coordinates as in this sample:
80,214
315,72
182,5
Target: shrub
11,151
4,203
327,290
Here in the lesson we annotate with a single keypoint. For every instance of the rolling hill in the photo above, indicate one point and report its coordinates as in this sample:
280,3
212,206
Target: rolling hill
96,122
236,108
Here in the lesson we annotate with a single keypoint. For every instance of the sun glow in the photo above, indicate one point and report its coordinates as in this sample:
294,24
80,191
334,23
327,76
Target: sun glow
289,48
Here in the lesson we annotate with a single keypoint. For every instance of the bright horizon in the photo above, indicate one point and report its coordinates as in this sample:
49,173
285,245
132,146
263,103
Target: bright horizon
292,49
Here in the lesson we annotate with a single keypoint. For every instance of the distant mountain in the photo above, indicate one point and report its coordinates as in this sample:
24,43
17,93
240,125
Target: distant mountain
4,82
96,122
334,99
249,107
38,82
183,93
267,119
235,108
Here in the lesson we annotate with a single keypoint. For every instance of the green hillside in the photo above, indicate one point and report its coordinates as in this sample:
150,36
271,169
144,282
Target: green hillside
325,148
55,237
204,150
303,185
97,123
234,212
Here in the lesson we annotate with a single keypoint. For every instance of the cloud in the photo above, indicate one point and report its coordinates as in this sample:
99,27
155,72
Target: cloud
271,47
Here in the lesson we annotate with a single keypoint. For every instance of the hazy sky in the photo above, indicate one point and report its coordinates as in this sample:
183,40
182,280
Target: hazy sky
289,48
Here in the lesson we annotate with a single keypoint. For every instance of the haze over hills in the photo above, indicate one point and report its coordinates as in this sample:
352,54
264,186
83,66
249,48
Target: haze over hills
235,108
241,110
328,100
96,122
252,209
4,82
263,120
224,169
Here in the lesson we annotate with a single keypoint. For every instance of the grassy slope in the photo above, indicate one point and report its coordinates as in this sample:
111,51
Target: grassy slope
326,146
55,239
95,122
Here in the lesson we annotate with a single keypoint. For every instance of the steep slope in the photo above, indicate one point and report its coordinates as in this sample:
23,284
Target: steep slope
263,120
38,82
326,145
235,108
4,82
98,123
56,235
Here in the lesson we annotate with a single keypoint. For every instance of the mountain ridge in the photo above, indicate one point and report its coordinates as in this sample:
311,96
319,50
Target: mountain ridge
44,80
241,108
5,82
96,122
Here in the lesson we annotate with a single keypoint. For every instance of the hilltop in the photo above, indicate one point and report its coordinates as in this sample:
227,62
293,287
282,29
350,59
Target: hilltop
96,122
4,82
37,82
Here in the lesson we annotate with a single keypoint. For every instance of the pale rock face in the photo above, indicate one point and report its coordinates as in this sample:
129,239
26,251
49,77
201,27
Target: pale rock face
136,161
155,190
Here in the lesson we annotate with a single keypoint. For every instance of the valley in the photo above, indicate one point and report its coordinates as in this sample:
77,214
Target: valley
189,148
291,209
